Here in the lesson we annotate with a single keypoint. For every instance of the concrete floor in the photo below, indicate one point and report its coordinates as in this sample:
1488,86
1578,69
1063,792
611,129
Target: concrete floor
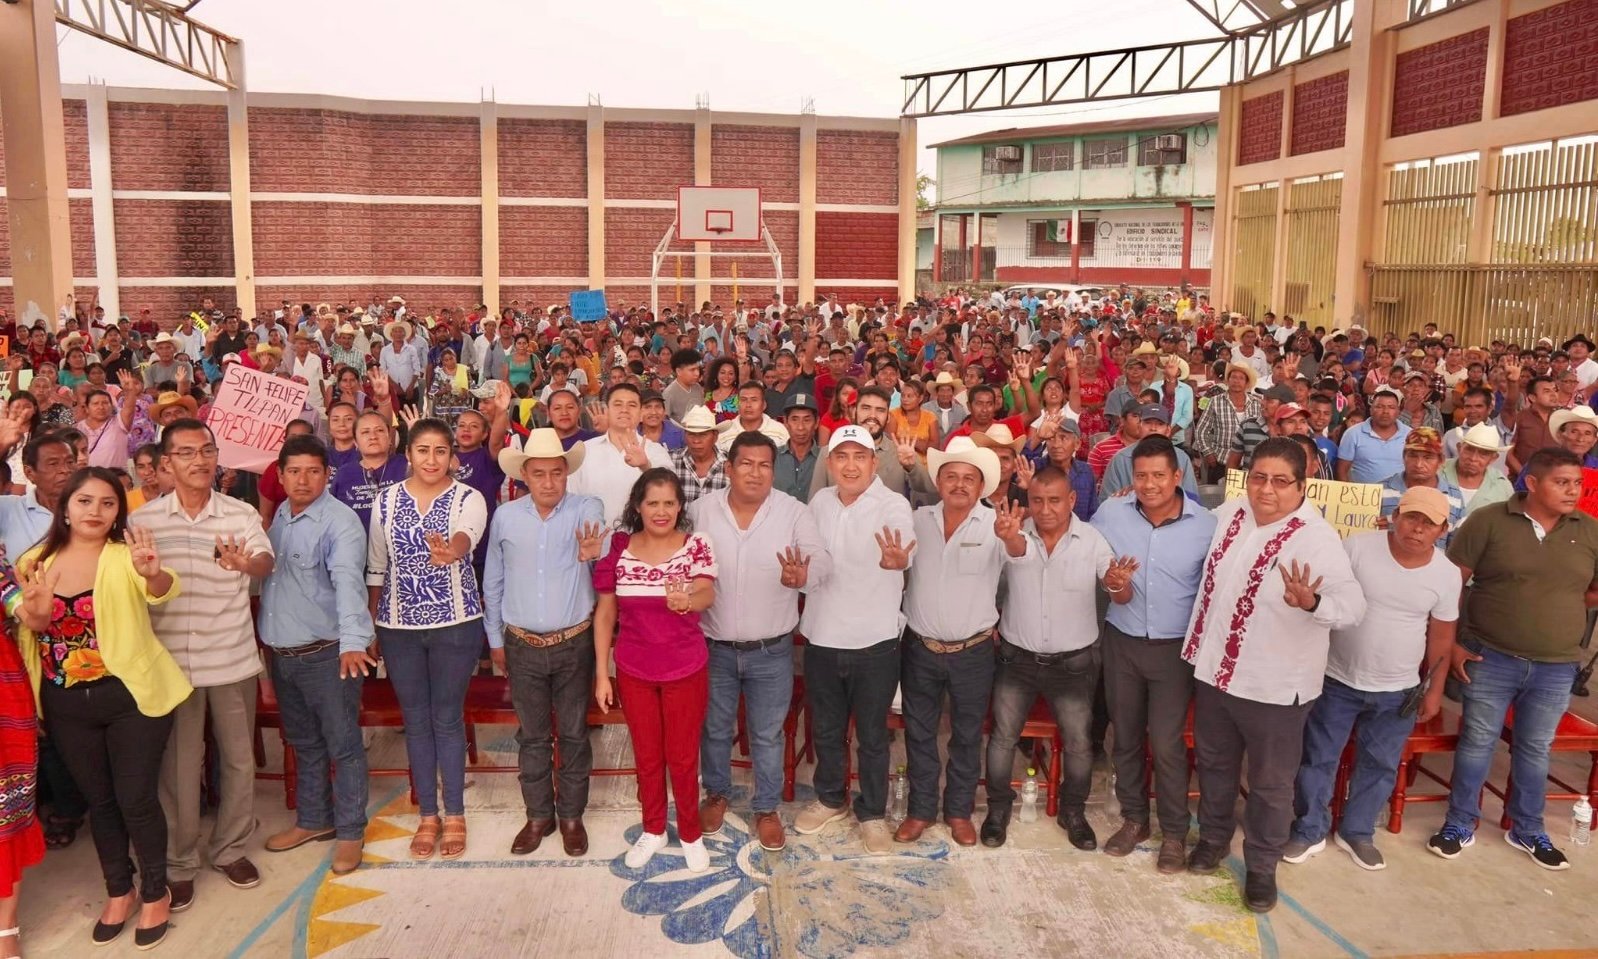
822,897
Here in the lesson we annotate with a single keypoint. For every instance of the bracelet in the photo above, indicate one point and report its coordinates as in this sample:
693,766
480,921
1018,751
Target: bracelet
1117,592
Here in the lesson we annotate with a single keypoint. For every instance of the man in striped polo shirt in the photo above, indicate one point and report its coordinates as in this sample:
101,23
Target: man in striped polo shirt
216,545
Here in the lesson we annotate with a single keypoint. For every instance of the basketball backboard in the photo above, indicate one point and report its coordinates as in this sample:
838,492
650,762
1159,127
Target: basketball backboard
718,214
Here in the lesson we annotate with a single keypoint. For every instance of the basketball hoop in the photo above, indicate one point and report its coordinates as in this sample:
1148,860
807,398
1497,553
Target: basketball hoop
725,216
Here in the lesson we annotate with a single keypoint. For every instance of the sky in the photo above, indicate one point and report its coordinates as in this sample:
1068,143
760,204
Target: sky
764,56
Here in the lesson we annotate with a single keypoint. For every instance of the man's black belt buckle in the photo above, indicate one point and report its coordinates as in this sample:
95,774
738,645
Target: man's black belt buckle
1044,659
294,652
752,644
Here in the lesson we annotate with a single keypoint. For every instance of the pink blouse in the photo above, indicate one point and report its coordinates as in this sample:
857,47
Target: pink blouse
653,643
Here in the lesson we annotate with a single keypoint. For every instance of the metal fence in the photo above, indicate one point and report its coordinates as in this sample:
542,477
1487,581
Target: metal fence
1254,249
1312,213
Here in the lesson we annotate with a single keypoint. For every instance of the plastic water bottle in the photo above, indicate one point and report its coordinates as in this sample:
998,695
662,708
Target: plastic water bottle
1581,823
1029,796
898,795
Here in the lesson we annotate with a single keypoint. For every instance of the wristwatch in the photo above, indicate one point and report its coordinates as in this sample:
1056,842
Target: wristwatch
1315,605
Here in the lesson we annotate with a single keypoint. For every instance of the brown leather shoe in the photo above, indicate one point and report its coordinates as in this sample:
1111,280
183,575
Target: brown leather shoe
573,836
294,837
1126,838
182,894
241,873
1173,855
711,813
347,856
962,831
531,835
768,828
911,829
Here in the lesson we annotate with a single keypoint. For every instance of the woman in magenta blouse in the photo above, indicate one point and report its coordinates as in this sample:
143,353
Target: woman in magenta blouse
652,584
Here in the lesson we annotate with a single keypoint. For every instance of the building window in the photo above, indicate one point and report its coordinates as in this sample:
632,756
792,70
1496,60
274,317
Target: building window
1048,238
1162,149
1053,157
1090,229
1104,154
1002,159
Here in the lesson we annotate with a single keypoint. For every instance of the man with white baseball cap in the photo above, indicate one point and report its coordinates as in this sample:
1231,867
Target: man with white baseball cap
852,622
1476,470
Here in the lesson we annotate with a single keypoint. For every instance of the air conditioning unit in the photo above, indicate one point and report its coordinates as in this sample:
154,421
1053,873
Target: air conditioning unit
1007,153
1170,141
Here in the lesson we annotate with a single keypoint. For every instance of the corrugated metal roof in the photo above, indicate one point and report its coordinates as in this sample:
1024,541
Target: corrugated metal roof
1180,121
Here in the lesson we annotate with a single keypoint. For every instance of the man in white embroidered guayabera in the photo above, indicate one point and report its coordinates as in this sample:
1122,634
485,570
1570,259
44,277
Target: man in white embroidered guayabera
1276,581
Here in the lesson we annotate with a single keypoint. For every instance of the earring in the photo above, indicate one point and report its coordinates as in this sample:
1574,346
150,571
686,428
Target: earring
66,521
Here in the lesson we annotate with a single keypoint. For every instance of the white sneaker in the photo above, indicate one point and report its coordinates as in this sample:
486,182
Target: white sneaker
644,849
696,855
817,816
874,835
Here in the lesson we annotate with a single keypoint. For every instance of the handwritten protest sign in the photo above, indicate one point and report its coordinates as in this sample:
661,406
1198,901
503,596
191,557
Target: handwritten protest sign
588,305
249,414
1350,507
1589,492
5,346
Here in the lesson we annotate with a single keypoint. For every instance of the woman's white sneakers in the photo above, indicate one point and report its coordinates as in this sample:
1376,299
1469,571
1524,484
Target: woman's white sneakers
696,855
644,849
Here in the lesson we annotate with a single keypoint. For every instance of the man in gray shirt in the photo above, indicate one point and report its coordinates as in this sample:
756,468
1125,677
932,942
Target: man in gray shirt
164,365
684,393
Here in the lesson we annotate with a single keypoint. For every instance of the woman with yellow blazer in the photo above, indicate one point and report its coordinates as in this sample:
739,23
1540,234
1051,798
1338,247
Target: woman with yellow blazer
105,685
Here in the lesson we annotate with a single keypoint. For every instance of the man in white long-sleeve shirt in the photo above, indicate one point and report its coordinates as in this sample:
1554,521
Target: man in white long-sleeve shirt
1275,583
851,625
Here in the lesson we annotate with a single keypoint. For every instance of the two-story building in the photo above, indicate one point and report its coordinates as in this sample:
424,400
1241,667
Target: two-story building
1117,201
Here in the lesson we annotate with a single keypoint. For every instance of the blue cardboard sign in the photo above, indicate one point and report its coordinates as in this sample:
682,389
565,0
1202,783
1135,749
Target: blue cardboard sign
588,305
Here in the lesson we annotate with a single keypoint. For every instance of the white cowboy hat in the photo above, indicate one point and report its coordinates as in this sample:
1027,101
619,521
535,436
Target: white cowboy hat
1182,369
1562,418
945,378
963,449
388,329
163,337
397,299
998,435
347,330
541,444
699,420
1484,436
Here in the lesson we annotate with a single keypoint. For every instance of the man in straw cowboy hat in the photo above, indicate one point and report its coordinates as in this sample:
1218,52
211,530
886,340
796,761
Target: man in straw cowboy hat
701,464
538,608
1476,469
403,364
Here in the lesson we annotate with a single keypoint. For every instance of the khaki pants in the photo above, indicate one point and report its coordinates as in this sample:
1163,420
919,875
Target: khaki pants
232,712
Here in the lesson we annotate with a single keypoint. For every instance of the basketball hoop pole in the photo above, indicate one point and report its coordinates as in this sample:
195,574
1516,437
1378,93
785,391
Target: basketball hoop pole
662,250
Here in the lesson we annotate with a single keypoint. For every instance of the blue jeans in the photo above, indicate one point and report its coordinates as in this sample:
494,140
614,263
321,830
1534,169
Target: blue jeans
764,677
430,669
1380,735
1540,692
966,677
321,720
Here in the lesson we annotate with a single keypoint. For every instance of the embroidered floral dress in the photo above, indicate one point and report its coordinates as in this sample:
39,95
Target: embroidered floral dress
21,841
69,652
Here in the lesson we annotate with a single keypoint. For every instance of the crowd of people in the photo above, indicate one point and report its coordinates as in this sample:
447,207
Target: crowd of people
954,505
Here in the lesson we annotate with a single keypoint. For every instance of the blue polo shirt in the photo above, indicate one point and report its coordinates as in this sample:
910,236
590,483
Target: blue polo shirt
1170,560
1371,458
23,523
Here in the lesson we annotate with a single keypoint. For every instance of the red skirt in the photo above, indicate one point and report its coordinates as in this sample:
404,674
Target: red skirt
21,840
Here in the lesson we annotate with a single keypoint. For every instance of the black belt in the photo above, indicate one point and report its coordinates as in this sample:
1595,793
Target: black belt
752,644
1044,659
306,650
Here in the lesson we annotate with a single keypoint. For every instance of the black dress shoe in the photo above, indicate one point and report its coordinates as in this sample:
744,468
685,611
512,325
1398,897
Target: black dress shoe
1077,830
1206,858
1259,891
182,893
996,826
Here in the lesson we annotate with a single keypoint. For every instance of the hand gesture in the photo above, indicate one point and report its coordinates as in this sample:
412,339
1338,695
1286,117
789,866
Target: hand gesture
11,428
598,419
1071,359
678,599
905,447
590,537
1300,590
1049,426
359,663
795,567
439,551
895,552
181,378
1007,518
230,554
1456,666
632,452
38,593
1119,576
501,401
230,476
410,416
1511,365
132,385
1290,364
1024,471
380,385
141,545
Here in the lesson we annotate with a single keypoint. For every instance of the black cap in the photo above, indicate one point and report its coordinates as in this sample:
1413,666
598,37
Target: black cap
800,401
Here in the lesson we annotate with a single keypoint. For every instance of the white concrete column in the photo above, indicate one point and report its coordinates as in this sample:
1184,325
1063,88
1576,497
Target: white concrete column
488,129
238,136
907,209
1370,88
703,176
105,234
596,197
1284,192
807,208
1221,239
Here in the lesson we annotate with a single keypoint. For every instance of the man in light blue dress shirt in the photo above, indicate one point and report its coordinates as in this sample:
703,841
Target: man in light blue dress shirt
48,460
316,622
538,609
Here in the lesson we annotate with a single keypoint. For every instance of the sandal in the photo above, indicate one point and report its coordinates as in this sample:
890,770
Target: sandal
426,838
59,832
13,933
454,845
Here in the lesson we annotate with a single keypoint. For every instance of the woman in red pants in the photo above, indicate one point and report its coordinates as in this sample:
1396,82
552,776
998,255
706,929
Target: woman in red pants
652,585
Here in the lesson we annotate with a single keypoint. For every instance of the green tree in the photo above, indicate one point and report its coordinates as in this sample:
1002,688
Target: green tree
923,184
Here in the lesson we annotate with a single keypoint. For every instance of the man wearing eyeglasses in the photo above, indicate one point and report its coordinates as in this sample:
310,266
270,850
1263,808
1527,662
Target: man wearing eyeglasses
216,545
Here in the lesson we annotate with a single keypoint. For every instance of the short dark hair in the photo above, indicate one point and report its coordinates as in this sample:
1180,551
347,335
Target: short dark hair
685,357
303,445
971,394
1152,447
876,391
1483,392
186,424
751,438
1531,387
752,385
1285,449
624,387
1548,459
1052,474
36,444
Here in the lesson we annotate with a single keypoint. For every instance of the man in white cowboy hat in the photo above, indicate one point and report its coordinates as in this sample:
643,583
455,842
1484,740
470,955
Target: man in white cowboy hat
950,414
951,609
1012,482
1175,394
1576,430
1476,469
701,464
345,349
538,608
403,364
852,623
165,366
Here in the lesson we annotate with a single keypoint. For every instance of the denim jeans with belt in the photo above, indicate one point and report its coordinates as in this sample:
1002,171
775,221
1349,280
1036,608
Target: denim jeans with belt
1380,733
1067,684
967,678
764,678
1540,693
430,669
858,684
555,679
321,720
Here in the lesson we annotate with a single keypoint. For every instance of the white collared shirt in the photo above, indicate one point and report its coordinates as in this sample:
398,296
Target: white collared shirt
751,602
606,475
1050,603
859,604
954,584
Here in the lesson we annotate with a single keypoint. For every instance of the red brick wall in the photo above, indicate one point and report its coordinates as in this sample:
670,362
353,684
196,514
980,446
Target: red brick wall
764,157
753,294
174,238
857,246
75,115
543,158
1551,58
630,238
1440,85
1259,136
648,160
171,300
541,296
1320,114
543,241
857,167
160,146
323,239
860,294
330,151
81,215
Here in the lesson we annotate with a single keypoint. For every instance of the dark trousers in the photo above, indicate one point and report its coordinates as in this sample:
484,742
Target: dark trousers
1067,684
852,683
967,678
56,788
1149,688
431,670
1225,729
322,721
113,752
559,680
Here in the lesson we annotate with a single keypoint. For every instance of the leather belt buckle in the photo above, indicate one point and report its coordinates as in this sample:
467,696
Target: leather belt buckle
546,640
294,652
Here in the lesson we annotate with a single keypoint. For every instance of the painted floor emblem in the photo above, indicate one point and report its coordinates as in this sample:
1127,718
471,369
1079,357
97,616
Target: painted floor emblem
832,898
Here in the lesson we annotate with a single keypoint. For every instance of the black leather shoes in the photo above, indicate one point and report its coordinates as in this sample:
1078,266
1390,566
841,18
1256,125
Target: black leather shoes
996,826
1205,858
1259,891
1077,830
